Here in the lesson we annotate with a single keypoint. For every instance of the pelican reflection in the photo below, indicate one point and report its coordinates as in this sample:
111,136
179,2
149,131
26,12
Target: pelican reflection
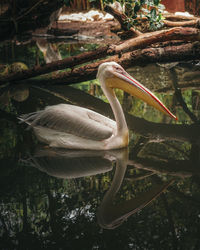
75,164
68,164
111,216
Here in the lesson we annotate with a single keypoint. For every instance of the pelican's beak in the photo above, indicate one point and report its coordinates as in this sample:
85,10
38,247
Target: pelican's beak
128,84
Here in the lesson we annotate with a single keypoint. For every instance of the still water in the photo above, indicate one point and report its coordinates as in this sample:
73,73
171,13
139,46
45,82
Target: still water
143,197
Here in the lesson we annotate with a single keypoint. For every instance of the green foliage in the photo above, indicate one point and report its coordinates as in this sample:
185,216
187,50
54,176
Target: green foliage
149,9
108,1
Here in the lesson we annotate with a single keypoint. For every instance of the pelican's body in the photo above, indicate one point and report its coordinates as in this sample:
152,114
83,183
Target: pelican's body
73,127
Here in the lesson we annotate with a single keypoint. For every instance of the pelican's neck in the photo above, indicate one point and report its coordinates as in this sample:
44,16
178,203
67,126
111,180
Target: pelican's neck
116,108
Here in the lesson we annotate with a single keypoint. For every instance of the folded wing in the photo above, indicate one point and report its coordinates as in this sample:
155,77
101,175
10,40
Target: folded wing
73,120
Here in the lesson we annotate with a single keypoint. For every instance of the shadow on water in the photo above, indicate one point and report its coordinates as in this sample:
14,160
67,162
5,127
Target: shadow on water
64,199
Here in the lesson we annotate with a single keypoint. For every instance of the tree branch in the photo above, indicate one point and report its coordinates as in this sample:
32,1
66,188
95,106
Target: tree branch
190,23
137,57
122,19
69,62
177,33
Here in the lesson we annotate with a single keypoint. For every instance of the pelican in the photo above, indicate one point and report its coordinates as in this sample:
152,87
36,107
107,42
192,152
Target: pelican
73,127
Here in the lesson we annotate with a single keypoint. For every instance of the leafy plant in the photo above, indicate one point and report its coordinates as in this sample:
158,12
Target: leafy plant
144,13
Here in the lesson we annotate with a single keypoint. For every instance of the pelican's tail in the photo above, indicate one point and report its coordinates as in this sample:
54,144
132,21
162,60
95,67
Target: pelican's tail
29,118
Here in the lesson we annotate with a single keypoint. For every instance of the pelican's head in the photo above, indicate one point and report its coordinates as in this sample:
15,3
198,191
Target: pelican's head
112,75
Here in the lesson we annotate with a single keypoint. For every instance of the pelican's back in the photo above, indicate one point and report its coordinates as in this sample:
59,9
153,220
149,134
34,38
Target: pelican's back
72,119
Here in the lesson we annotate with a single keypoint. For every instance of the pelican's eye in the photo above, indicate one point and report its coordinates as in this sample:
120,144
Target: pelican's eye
119,69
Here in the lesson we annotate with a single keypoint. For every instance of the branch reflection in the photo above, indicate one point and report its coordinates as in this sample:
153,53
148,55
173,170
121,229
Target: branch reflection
69,164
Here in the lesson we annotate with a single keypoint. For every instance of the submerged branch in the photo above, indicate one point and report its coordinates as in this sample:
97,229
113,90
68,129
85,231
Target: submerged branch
179,97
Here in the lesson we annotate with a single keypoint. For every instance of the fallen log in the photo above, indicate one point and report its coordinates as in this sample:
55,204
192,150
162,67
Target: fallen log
190,23
190,51
69,62
142,41
173,17
177,33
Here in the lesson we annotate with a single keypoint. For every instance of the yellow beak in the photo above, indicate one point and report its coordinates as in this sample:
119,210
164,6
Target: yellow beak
128,84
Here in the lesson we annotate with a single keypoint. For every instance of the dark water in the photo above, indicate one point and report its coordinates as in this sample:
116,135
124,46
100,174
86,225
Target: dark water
143,197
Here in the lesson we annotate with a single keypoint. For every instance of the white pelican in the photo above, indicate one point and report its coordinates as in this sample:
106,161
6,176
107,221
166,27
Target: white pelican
73,127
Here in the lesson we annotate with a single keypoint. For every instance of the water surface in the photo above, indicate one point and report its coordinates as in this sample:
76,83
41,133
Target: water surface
143,197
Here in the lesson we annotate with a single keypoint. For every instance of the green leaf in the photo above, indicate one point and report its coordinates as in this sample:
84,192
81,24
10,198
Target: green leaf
156,2
108,1
142,2
153,14
137,7
128,26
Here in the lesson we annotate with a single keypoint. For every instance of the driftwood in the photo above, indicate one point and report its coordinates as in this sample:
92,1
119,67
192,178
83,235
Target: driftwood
177,33
137,57
69,62
173,17
190,23
142,41
162,53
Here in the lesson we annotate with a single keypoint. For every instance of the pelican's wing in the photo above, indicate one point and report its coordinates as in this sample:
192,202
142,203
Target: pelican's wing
73,120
